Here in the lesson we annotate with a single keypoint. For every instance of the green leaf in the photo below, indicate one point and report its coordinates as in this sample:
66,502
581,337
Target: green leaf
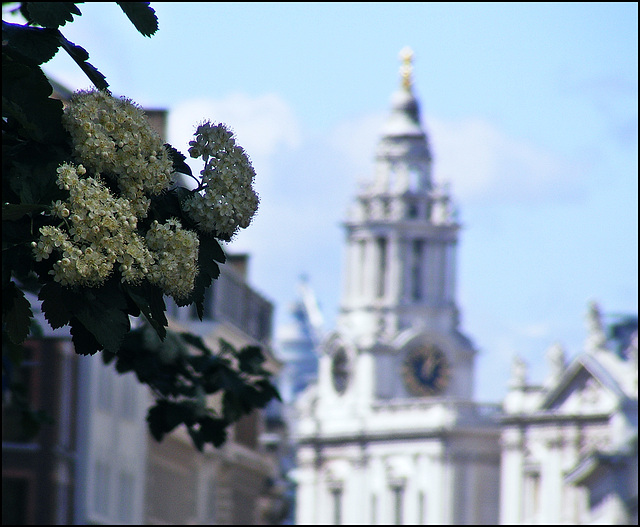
178,159
209,253
196,437
17,255
102,311
195,341
14,353
265,391
83,340
213,430
29,168
25,98
141,15
56,303
35,45
16,313
236,400
150,301
250,360
52,14
33,181
15,212
80,56
163,418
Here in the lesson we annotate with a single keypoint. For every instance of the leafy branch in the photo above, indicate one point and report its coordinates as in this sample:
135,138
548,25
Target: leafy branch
179,368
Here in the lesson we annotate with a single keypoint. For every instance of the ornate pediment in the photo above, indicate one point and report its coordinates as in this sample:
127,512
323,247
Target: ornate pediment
586,388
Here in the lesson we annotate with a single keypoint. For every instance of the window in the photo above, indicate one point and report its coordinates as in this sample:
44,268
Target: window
340,371
382,265
363,261
398,499
413,212
531,495
126,489
101,488
416,269
415,178
27,381
210,506
386,208
15,499
422,508
336,495
374,509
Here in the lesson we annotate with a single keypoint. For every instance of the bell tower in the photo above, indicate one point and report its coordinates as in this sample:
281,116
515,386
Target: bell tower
400,263
401,233
390,433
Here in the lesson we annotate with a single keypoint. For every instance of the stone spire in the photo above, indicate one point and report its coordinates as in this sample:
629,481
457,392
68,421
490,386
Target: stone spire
596,339
405,110
403,156
406,70
556,359
401,233
519,370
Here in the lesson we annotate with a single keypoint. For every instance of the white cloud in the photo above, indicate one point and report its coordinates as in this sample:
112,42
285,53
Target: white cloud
355,140
295,178
265,126
485,164
535,330
262,125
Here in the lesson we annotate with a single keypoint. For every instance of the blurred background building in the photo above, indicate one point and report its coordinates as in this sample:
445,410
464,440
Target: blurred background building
296,349
390,434
570,445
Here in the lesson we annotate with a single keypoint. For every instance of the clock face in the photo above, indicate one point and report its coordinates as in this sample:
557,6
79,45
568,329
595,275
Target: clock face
340,371
426,371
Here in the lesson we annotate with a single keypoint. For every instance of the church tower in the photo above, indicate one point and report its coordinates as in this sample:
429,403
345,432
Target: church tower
401,255
390,433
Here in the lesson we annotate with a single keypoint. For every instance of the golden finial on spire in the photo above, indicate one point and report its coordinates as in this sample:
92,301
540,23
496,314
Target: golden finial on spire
406,69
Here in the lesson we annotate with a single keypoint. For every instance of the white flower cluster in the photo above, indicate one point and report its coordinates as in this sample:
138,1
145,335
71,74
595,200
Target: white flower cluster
176,253
229,201
111,136
101,232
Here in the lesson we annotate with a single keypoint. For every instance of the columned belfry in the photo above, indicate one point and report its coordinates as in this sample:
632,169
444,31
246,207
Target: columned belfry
401,233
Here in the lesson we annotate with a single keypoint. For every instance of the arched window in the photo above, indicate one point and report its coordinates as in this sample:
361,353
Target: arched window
381,245
336,499
417,248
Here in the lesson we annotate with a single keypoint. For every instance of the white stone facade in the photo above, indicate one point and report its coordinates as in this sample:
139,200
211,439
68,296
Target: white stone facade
570,447
390,433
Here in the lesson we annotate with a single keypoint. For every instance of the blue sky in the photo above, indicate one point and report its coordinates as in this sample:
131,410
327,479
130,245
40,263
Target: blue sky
532,113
